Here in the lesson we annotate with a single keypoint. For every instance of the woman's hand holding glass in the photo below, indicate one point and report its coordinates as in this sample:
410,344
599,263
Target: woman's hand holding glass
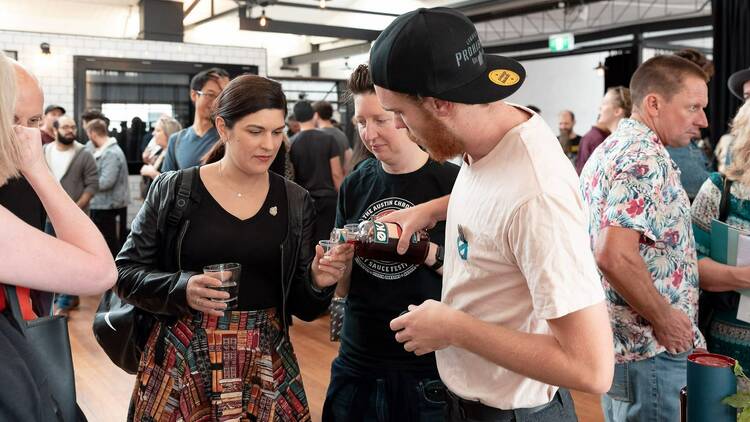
332,262
202,295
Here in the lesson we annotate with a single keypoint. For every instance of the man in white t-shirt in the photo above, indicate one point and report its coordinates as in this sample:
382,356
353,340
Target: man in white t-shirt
522,311
71,164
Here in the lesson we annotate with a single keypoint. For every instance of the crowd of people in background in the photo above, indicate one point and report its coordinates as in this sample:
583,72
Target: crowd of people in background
535,238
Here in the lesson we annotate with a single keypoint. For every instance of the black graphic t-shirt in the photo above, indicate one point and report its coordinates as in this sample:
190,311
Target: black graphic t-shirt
381,290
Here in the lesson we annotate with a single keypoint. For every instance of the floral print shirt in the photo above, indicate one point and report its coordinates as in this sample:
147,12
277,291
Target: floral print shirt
631,182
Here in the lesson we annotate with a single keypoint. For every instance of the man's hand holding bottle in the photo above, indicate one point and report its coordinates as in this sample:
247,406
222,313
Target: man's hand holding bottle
421,217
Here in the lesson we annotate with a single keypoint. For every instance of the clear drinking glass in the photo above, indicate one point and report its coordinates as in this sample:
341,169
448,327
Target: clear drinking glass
327,245
229,274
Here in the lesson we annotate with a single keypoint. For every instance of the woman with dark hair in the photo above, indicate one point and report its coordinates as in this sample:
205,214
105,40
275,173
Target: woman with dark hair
203,361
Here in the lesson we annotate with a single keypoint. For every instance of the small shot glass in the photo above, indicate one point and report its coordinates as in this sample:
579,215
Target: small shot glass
327,245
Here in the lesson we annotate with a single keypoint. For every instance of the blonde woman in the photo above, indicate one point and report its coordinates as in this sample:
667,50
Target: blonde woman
77,262
718,307
154,155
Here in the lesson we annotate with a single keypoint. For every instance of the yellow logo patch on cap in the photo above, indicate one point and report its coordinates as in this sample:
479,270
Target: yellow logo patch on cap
504,77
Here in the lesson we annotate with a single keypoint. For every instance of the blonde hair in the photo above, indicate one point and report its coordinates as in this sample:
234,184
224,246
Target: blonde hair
10,150
737,170
622,99
168,125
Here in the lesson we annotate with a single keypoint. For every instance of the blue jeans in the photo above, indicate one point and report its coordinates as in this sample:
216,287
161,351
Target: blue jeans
647,390
383,395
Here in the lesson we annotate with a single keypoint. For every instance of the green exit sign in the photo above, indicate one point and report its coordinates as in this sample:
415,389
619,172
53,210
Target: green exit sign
561,42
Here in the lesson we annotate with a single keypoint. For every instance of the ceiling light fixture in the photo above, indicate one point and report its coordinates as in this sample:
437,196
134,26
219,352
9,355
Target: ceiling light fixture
322,4
263,20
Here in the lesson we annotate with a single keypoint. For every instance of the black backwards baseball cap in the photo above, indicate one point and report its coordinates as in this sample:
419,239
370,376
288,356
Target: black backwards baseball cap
437,53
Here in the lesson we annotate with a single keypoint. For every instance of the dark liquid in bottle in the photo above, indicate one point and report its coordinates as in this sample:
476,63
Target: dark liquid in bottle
416,253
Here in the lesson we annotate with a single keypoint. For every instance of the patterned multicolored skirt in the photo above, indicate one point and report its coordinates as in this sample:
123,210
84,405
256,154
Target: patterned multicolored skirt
240,367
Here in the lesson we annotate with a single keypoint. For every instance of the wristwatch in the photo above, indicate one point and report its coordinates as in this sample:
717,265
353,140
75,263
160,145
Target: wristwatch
439,257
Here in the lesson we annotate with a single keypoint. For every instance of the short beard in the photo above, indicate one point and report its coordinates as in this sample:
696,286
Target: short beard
65,141
439,142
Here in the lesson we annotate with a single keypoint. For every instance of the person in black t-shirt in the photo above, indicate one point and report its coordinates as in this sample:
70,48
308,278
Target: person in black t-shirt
317,167
373,371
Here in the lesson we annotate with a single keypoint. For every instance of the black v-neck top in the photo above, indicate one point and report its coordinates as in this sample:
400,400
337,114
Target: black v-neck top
215,236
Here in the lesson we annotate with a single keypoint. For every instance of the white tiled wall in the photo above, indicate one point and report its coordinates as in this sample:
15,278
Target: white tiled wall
55,71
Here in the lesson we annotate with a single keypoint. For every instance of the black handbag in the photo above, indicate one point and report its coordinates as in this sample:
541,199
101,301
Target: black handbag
50,345
122,329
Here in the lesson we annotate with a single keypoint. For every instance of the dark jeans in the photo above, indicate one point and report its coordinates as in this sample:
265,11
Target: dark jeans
560,409
113,226
325,207
383,395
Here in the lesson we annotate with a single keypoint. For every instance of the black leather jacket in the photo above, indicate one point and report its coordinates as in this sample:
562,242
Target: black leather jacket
149,271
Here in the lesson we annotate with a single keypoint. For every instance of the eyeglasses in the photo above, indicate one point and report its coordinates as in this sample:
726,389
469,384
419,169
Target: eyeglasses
207,94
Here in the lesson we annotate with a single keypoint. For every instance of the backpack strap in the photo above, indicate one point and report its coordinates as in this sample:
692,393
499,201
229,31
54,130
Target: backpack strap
185,186
724,204
183,196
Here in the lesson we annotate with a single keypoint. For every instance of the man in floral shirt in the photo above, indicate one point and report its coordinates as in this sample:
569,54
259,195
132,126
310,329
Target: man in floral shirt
640,228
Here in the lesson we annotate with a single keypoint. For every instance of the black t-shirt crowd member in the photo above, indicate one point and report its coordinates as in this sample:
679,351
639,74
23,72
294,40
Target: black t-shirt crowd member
311,153
19,198
380,290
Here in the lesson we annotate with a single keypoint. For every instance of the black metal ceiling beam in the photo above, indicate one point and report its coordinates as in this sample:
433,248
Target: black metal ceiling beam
691,35
660,45
211,18
333,53
333,9
300,28
191,7
478,12
608,33
626,45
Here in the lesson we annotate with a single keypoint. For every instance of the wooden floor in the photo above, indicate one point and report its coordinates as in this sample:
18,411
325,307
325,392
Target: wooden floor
104,390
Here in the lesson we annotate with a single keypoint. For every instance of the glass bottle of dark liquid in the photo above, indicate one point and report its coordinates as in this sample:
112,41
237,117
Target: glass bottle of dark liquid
376,240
